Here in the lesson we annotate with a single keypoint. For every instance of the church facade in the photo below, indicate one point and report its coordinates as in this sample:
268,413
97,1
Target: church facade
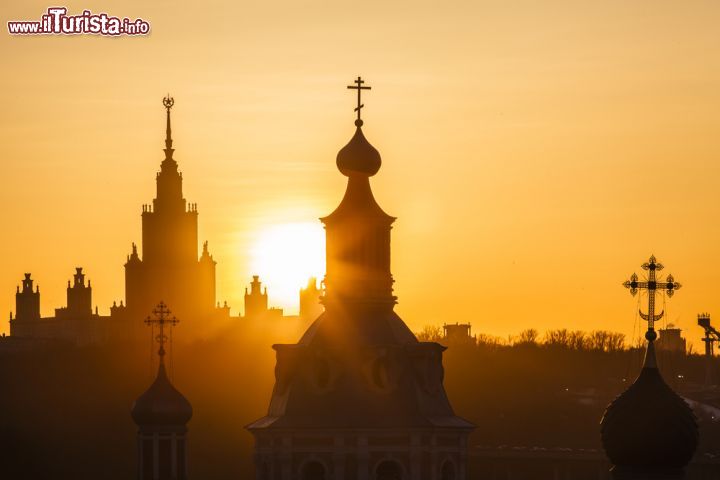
359,397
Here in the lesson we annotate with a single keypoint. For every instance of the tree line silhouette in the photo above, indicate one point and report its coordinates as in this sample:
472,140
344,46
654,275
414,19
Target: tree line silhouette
578,340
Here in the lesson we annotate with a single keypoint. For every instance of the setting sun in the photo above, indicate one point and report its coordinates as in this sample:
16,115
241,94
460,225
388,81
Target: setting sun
286,256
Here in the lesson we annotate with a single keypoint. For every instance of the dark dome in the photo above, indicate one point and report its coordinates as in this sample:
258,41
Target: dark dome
649,426
161,404
358,157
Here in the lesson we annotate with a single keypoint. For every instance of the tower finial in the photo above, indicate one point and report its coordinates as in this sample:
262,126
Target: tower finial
358,158
359,87
168,102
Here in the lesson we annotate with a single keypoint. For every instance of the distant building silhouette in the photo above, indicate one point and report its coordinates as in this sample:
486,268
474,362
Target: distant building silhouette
76,322
169,267
27,302
671,340
161,414
358,397
256,304
166,267
458,334
256,301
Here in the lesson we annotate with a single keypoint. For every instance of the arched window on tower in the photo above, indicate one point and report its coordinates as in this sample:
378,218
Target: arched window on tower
313,471
447,472
388,470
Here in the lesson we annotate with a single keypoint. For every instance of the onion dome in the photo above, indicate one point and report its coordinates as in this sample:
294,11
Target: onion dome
649,428
162,404
358,157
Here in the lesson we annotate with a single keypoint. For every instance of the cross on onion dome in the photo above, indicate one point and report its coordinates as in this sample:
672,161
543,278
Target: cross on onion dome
359,87
161,317
652,284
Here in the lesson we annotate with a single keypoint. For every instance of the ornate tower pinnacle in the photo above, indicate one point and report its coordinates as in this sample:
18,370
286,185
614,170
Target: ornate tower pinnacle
168,102
169,179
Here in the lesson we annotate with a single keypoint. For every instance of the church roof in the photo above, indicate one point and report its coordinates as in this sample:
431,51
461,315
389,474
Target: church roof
162,404
649,427
358,157
358,203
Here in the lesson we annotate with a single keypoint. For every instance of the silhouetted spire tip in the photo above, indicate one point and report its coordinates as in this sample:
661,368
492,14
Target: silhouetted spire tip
168,103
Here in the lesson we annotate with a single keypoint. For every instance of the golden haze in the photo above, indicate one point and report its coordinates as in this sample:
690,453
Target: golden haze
534,154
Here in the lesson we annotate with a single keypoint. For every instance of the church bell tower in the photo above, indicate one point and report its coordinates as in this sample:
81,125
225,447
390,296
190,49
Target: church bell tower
359,397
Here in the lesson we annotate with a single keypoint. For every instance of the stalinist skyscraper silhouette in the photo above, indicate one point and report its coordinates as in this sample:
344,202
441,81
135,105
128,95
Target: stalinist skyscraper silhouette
170,269
359,397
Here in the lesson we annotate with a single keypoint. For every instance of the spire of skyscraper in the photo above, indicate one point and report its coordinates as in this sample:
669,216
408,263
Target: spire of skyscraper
168,102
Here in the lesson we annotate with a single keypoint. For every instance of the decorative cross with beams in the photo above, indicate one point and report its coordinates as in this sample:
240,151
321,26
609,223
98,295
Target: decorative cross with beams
161,318
652,285
359,87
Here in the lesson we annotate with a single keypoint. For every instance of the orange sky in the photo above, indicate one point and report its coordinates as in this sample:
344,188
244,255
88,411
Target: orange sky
535,153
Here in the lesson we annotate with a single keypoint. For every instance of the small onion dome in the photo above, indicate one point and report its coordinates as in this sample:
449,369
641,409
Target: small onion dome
358,157
161,404
649,427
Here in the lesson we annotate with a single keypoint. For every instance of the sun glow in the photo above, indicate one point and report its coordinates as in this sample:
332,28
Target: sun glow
286,256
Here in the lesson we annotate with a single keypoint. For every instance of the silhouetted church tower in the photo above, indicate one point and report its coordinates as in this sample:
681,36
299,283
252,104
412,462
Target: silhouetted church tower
649,432
161,414
169,267
359,397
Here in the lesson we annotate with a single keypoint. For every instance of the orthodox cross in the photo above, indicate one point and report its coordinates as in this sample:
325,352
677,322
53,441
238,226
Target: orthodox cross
359,87
161,318
652,285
